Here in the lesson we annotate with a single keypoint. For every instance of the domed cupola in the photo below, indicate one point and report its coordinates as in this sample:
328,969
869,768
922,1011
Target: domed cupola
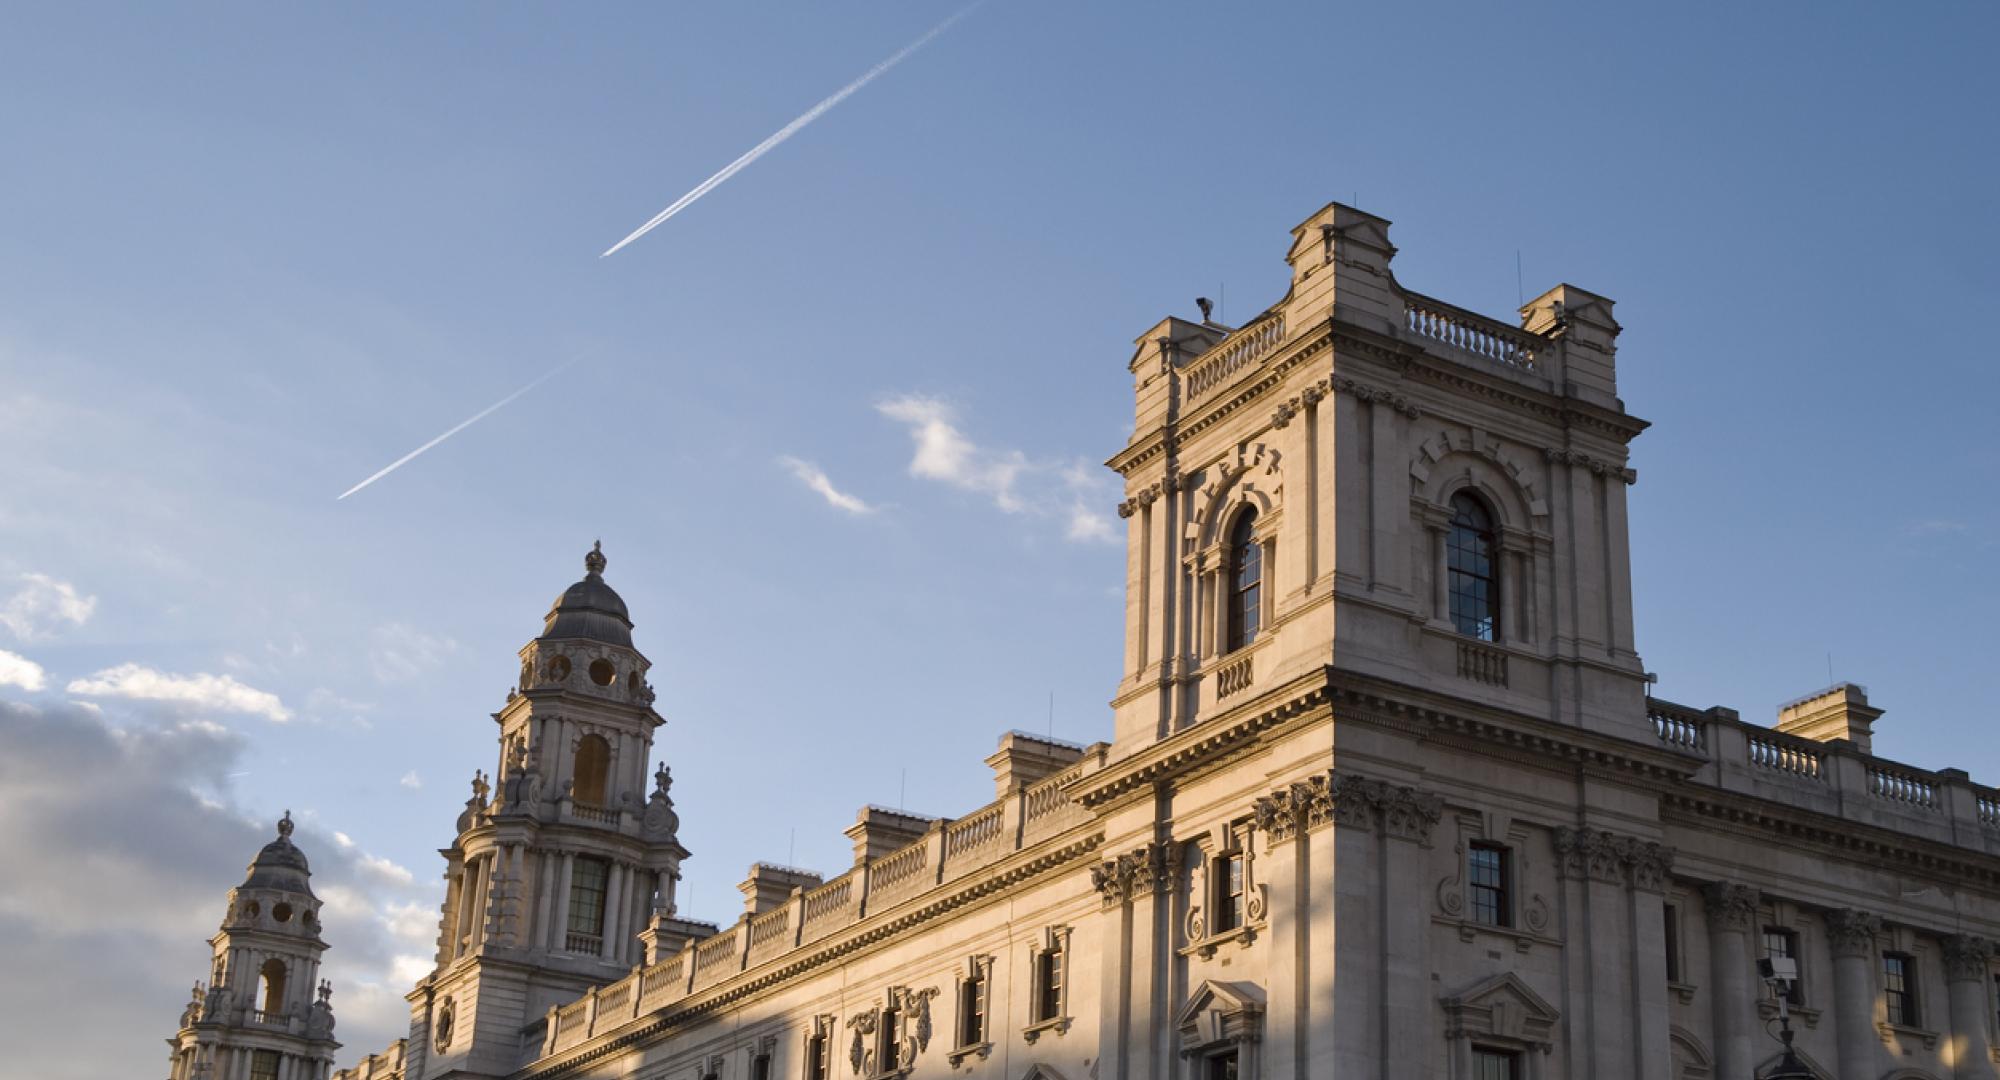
590,609
280,866
276,895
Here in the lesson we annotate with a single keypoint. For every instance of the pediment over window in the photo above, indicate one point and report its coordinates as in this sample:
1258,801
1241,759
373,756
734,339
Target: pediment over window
1502,1008
1041,1072
1220,1013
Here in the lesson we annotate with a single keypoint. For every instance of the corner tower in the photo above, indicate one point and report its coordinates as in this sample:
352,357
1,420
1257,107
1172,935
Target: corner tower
1366,482
264,1014
560,861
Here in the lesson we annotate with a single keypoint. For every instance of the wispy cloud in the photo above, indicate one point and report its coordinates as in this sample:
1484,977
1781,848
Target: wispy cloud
1935,527
43,605
18,670
201,691
398,652
412,781
1015,482
944,453
812,476
786,132
462,425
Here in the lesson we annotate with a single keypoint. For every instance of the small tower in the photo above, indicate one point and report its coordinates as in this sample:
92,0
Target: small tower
565,857
264,1014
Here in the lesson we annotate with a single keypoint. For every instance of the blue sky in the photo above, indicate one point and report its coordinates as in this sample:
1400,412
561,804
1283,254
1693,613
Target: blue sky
253,254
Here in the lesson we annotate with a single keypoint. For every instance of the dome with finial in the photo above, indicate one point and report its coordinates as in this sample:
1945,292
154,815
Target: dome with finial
280,865
590,609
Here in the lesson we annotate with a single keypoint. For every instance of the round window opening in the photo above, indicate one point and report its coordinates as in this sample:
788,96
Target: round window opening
559,668
252,910
602,673
281,912
445,1020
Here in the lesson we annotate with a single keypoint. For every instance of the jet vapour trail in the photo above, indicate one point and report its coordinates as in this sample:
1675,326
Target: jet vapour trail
474,419
790,130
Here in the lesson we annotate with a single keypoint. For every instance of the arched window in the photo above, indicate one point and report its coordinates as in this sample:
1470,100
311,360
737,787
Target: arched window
593,766
271,980
1246,583
1470,552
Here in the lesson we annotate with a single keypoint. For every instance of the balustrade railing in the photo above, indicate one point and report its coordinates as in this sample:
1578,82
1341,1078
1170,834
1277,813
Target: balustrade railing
663,981
572,1017
975,831
1678,726
583,944
587,812
1232,676
615,998
714,952
1988,804
1233,353
1486,338
898,866
830,901
1902,786
1788,755
771,926
1482,663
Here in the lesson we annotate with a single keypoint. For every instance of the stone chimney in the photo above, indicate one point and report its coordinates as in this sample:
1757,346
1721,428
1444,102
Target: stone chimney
1340,259
1589,335
665,935
1841,712
878,830
770,885
1023,759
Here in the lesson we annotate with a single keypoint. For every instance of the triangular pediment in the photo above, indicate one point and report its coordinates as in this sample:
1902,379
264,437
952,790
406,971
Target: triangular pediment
1502,1007
1041,1072
1220,1012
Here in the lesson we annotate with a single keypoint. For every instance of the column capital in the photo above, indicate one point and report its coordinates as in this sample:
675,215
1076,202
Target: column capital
1966,958
1601,855
1731,905
1851,932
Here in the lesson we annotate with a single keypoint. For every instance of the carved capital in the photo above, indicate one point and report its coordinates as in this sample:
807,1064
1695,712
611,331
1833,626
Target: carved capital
1409,814
1732,906
1282,418
1852,933
1376,396
1280,814
1350,800
1112,879
1649,864
1966,958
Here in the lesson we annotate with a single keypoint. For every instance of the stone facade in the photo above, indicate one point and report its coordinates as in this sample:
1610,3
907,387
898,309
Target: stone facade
1385,795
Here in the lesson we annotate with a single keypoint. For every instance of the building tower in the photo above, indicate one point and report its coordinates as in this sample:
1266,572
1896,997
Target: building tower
560,864
264,1014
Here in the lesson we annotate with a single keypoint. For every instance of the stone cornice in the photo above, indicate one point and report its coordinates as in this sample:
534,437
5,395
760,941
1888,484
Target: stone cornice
1703,807
875,931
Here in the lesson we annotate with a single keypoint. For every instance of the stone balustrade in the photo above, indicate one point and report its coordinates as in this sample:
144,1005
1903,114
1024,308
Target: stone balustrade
1832,777
1234,353
1488,339
951,849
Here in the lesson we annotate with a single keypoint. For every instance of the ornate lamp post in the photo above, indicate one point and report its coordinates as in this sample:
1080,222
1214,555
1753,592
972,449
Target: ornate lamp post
1779,973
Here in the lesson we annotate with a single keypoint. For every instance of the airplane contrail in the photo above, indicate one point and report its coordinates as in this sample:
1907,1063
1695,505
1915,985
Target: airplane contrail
475,418
789,130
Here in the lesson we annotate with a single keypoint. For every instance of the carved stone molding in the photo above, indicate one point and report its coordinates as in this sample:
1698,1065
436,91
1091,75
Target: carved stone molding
1342,798
1410,814
1733,906
1966,958
1599,855
1852,933
1375,396
1597,466
1148,868
1145,496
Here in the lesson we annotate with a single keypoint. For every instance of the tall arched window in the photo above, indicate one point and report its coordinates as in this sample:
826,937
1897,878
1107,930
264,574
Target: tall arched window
1246,583
271,979
1470,552
593,766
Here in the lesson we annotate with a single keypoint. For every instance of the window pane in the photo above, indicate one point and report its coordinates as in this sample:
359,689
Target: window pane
1486,885
1495,1065
1471,582
586,896
1243,611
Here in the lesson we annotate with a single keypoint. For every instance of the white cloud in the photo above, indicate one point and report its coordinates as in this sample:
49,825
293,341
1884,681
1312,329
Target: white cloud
1087,526
17,670
815,478
944,453
44,606
398,652
200,690
412,781
1935,527
385,870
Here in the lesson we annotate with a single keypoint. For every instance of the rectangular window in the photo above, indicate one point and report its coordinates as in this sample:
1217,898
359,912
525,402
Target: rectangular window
1220,1067
1783,944
1228,891
1495,1064
760,1067
1048,984
819,1063
1673,938
1486,886
264,1065
587,879
890,1042
972,1011
1899,989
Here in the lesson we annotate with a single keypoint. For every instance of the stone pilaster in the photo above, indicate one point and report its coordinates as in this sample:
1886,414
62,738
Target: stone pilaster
1851,934
1732,916
1967,961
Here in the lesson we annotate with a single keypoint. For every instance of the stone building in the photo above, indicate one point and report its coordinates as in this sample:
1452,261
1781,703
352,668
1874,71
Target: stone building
1385,794
264,1013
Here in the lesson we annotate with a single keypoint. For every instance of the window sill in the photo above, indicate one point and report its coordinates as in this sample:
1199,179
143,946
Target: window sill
1894,1033
978,1050
1205,948
1768,1010
1034,1031
1469,931
1683,991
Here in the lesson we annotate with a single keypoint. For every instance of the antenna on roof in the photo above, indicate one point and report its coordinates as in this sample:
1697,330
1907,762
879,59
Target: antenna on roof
1829,668
1052,716
903,790
1222,301
1520,289
791,847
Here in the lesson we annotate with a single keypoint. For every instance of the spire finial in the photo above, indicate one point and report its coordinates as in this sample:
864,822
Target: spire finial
285,825
594,562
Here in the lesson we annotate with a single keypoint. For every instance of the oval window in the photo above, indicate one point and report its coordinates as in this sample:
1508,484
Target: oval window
281,912
602,673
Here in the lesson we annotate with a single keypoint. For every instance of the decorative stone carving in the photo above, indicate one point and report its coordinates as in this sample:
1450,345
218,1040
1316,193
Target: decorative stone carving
1145,496
1852,933
1966,958
1278,814
661,820
1732,906
859,1054
1409,814
1599,855
1372,395
1649,862
1597,466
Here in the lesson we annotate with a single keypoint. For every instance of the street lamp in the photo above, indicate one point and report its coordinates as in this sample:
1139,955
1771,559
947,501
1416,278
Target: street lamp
1779,973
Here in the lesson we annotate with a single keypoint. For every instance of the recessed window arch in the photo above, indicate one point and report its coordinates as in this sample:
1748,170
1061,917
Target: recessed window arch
1472,553
271,980
1244,609
593,767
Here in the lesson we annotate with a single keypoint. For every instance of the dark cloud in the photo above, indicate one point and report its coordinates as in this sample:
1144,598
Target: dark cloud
121,846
